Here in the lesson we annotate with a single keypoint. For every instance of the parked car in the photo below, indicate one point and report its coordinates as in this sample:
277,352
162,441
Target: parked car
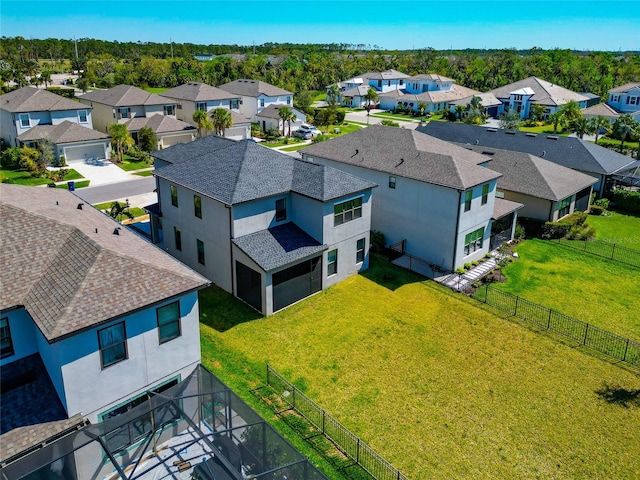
309,128
304,135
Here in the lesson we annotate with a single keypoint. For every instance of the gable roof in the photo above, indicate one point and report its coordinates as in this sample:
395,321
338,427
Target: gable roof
390,74
253,88
430,76
486,100
30,99
625,88
434,96
359,91
245,171
198,92
545,93
125,95
530,175
68,269
183,152
406,153
158,123
570,152
273,111
65,132
600,110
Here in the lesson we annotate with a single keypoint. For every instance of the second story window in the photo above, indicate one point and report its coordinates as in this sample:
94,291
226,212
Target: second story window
169,109
262,102
485,193
467,200
288,100
177,236
174,195
6,342
201,106
197,206
24,120
112,342
346,211
200,247
82,116
233,104
124,112
281,209
168,322
392,182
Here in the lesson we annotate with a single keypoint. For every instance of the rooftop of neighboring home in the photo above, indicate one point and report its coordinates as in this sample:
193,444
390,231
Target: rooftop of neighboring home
243,171
359,91
600,110
125,95
184,152
31,99
486,100
407,153
570,152
434,96
544,93
198,92
253,88
65,132
434,77
273,111
158,123
390,74
530,175
73,267
625,88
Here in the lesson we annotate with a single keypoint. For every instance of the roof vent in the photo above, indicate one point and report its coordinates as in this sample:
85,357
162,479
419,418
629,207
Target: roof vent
400,162
529,134
57,202
80,206
116,231
477,141
552,137
492,129
488,152
96,230
510,132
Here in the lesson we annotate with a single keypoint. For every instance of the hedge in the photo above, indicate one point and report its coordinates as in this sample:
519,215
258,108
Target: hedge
627,200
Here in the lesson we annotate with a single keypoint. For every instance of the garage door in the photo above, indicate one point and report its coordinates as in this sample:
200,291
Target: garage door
168,141
80,154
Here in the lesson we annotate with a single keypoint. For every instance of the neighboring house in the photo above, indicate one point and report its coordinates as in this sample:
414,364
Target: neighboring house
169,131
548,191
203,57
270,118
626,99
354,96
601,163
92,315
28,107
257,95
194,96
435,196
520,95
601,110
260,224
490,104
72,141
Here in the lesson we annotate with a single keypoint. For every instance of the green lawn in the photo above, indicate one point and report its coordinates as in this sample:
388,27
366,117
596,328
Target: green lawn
135,211
544,129
156,90
397,116
23,178
130,164
611,141
621,228
586,287
80,184
145,173
437,385
281,142
294,148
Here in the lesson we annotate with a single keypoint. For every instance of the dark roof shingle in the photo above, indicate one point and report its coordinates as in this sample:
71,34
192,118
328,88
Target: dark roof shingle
30,99
253,88
125,95
65,132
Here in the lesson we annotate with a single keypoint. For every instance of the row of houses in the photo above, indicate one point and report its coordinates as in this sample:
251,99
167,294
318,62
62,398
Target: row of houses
436,92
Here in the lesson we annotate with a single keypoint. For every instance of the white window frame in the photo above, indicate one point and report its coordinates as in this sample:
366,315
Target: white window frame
332,265
22,117
86,116
354,210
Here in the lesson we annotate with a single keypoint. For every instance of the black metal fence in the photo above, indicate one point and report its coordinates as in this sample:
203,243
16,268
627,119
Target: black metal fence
611,251
608,343
346,441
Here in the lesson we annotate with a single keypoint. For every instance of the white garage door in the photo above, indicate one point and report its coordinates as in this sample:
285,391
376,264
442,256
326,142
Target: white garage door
168,141
82,153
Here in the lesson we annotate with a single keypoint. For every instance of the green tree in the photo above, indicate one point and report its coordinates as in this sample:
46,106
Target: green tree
459,111
202,121
120,210
558,120
333,95
623,128
371,97
285,114
120,138
510,120
303,100
581,127
147,140
537,112
571,111
600,124
422,106
221,120
45,149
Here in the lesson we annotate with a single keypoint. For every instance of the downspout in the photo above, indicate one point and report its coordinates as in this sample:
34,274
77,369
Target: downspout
550,217
455,238
233,284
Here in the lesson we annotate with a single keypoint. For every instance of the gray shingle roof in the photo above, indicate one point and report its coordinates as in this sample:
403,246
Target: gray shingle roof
198,92
406,153
486,100
625,88
546,93
253,88
601,109
530,175
158,123
569,152
502,207
125,95
244,171
273,111
434,96
278,246
30,99
430,76
183,152
70,277
390,74
359,91
65,132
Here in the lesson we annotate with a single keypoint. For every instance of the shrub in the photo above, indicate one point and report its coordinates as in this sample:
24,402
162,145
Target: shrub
602,202
319,138
596,210
377,241
555,230
532,226
389,123
340,116
519,232
576,218
460,270
475,263
467,266
487,255
627,200
62,162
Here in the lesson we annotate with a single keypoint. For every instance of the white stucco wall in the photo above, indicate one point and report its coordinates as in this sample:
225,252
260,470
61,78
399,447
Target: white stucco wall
250,217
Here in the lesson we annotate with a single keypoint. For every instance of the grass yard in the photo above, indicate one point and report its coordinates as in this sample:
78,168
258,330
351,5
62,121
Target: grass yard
156,90
397,116
611,141
586,287
130,164
294,148
437,385
144,173
80,184
621,228
135,211
281,142
544,129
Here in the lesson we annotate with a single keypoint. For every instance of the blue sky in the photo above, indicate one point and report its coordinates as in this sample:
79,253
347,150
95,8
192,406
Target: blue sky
585,25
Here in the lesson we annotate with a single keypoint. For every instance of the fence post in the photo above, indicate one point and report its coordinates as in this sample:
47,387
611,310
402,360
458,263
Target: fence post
486,293
613,250
586,331
585,244
323,421
358,451
515,310
549,320
626,347
268,374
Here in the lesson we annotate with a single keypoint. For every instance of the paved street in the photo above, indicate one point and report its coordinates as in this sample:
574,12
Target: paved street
117,191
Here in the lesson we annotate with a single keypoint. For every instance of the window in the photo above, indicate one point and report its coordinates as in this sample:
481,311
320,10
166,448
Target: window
347,211
233,104
112,342
200,245
401,82
467,200
281,209
473,241
485,193
288,100
24,120
262,102
632,100
6,343
168,322
379,83
169,110
201,106
82,116
392,182
332,262
360,244
197,206
563,207
174,195
177,236
123,112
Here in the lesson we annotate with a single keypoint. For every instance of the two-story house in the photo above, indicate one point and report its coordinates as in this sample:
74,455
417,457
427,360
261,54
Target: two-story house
137,108
194,96
91,315
260,224
257,95
25,108
435,197
626,99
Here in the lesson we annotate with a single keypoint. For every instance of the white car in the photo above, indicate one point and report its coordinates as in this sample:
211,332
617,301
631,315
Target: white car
309,128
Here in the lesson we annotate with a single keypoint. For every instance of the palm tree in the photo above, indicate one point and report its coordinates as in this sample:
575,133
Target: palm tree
570,111
459,109
557,120
291,118
624,126
422,106
221,120
581,126
333,95
599,124
537,112
371,97
202,121
285,115
120,138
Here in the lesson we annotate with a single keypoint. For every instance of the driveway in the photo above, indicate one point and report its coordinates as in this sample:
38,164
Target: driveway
102,172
